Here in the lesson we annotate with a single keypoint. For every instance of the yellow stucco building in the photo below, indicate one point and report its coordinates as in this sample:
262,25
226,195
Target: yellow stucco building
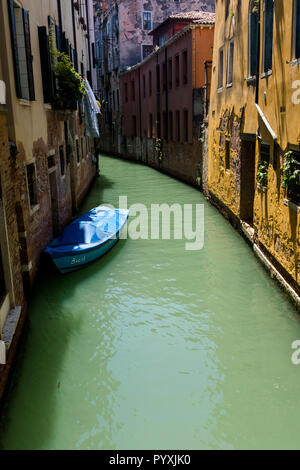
254,128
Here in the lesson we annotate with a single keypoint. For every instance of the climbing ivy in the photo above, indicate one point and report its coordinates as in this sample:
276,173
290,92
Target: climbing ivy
291,172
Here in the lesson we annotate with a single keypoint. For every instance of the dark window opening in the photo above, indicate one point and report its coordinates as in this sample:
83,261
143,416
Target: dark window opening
227,154
253,39
178,125
268,34
32,185
158,78
296,29
293,189
126,92
158,126
186,125
51,161
170,74
165,126
184,68
62,160
171,135
150,83
164,76
134,127
177,79
221,67
77,150
151,126
144,86
133,90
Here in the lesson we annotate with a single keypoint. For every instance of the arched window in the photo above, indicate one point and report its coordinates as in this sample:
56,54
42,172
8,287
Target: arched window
268,35
253,38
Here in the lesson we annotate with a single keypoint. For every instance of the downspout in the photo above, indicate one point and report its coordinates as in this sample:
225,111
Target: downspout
88,28
258,54
167,95
140,103
74,35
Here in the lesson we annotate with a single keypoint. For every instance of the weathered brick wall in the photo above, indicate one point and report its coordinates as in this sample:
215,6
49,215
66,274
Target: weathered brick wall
8,196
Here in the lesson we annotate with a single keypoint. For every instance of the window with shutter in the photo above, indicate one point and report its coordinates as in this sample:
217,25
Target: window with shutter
22,56
253,39
45,64
268,34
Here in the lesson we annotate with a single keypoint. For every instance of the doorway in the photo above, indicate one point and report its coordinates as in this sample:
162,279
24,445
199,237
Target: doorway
247,192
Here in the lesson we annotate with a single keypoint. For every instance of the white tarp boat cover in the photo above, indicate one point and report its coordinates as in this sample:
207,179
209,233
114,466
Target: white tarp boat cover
91,111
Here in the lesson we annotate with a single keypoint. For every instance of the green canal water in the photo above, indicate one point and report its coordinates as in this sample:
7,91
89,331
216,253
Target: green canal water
156,347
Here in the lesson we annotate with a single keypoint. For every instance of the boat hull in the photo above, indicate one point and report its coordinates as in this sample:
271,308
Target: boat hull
68,263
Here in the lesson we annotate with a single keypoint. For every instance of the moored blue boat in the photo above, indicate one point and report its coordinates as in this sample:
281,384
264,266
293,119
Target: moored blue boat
87,238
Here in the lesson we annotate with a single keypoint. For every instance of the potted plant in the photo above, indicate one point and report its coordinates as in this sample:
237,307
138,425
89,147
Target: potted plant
70,86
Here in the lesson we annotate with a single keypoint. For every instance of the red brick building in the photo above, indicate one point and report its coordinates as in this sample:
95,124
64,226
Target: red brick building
164,99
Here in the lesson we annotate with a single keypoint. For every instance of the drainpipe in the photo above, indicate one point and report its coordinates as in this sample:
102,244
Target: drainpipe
89,42
74,35
167,95
258,55
140,104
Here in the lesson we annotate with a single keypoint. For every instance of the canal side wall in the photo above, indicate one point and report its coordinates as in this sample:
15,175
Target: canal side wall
47,163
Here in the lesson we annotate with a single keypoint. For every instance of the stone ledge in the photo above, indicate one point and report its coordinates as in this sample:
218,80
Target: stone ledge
10,326
276,275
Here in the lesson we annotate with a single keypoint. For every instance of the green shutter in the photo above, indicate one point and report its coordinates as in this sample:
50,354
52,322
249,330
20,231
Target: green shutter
14,45
29,56
45,64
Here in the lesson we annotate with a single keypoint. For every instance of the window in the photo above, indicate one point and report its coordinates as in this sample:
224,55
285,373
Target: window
184,68
62,160
134,128
177,80
230,58
227,154
77,150
21,51
264,153
186,125
158,78
150,125
82,147
147,20
296,30
150,83
146,50
126,92
163,39
118,98
158,135
253,39
164,76
268,35
144,86
32,187
170,74
165,126
178,125
221,66
45,64
171,135
133,90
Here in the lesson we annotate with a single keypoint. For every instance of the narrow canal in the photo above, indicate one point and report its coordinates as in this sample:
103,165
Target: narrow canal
157,347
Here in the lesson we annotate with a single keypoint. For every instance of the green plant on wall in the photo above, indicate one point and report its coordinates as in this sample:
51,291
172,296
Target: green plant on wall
262,173
291,173
69,84
159,148
255,7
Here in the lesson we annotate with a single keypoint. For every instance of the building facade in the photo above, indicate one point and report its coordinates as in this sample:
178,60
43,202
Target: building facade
47,164
164,102
122,41
254,138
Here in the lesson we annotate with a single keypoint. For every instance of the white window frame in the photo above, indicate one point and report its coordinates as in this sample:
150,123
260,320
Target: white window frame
150,13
